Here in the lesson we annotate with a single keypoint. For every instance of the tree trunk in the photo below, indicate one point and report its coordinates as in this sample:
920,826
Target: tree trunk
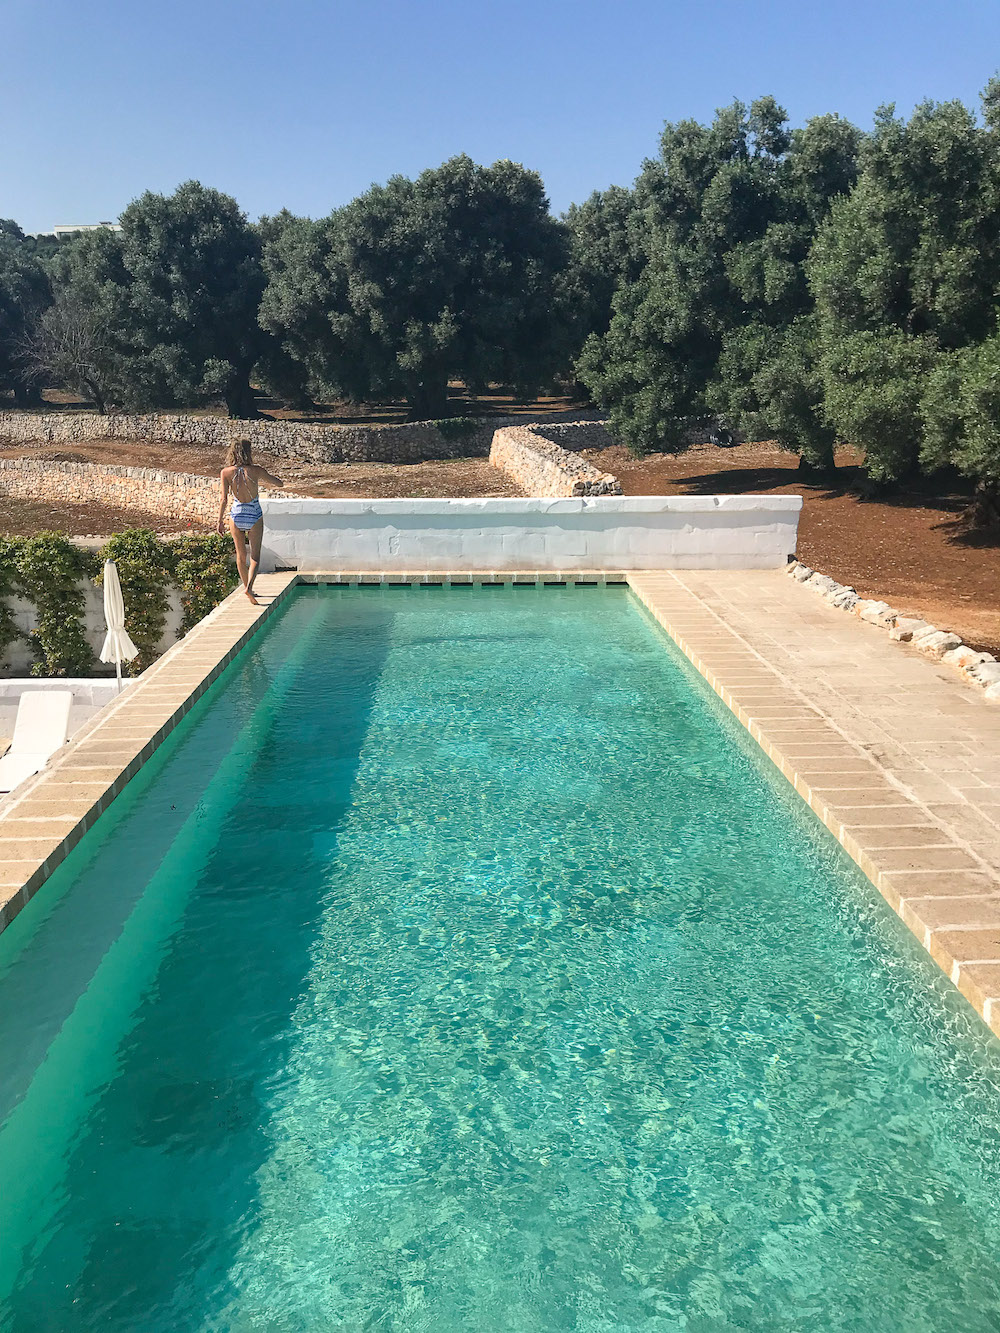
428,398
821,464
241,401
27,395
93,392
984,512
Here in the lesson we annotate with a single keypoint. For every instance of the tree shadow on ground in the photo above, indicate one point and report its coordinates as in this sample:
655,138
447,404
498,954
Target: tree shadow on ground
740,480
849,482
960,531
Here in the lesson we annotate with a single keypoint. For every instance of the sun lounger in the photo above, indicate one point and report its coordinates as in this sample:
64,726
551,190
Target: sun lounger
42,726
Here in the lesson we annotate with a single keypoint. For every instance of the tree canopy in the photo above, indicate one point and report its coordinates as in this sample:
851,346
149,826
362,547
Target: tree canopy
906,273
718,319
25,293
176,293
449,276
807,284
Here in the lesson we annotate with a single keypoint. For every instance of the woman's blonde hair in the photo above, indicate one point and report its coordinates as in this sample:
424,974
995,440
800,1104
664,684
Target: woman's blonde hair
239,453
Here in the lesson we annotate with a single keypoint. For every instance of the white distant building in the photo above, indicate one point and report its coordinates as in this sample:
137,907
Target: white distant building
71,229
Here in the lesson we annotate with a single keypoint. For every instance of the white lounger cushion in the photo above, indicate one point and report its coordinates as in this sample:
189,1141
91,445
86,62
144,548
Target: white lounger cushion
42,726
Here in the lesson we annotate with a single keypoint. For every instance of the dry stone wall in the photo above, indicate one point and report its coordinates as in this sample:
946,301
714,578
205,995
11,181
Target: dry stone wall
574,435
181,495
410,443
541,467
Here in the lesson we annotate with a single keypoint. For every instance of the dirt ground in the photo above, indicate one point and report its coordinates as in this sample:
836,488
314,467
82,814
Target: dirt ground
461,403
912,549
454,477
23,518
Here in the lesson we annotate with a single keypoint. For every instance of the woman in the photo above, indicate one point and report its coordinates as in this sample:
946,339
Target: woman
241,478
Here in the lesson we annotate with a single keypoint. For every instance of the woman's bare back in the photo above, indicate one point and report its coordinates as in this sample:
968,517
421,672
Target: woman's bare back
243,481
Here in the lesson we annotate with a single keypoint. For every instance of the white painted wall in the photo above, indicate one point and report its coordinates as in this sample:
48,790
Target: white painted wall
19,657
598,532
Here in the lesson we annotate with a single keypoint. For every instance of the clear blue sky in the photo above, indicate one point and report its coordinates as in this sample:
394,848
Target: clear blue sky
303,103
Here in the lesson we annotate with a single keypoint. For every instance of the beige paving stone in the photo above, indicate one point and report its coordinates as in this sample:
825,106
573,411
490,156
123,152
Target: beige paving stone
46,806
111,756
948,947
841,766
924,859
74,791
16,872
59,826
819,749
853,790
802,731
88,774
31,850
951,913
883,743
874,836
979,983
941,884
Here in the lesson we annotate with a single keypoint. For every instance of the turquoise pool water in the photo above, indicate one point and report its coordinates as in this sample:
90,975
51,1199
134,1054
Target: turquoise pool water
458,965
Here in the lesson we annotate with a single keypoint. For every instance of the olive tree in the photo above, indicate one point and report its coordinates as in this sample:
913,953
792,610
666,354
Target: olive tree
25,294
417,282
905,271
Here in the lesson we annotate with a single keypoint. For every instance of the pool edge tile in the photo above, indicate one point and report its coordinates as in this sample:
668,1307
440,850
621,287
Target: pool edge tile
836,794
150,709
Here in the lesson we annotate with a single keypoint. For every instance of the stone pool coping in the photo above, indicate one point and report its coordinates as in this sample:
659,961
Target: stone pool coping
44,818
740,630
857,725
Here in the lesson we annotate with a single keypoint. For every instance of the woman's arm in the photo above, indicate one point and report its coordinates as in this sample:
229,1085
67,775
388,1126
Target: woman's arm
224,480
273,481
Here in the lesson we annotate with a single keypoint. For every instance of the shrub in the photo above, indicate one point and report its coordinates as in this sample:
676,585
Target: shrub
144,568
204,572
50,571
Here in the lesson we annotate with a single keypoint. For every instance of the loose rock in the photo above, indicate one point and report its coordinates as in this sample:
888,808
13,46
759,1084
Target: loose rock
822,583
963,657
906,627
875,613
937,644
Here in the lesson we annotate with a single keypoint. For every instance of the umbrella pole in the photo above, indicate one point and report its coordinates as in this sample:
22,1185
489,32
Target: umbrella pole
118,673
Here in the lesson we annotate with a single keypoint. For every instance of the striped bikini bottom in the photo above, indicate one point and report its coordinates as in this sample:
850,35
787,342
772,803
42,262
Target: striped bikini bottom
246,515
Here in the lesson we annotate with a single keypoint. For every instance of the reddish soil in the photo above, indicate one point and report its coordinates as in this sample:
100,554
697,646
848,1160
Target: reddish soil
453,477
912,549
460,403
23,518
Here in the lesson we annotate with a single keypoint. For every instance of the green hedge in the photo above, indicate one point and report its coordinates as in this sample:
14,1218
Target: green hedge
50,570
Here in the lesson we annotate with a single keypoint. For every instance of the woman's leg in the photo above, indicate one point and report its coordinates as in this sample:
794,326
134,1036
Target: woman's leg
239,541
255,534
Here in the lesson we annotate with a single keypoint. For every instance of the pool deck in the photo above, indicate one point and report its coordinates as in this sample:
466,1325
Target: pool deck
896,754
45,817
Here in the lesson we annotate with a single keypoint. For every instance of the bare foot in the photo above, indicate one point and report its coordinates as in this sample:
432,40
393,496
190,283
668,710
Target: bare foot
253,599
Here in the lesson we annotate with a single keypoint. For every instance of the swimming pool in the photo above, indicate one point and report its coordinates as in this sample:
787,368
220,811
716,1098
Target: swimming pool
458,963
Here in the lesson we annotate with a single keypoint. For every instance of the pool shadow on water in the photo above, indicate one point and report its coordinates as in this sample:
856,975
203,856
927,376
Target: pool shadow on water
158,1185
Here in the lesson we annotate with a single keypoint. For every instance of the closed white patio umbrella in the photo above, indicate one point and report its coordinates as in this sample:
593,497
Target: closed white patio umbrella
118,647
